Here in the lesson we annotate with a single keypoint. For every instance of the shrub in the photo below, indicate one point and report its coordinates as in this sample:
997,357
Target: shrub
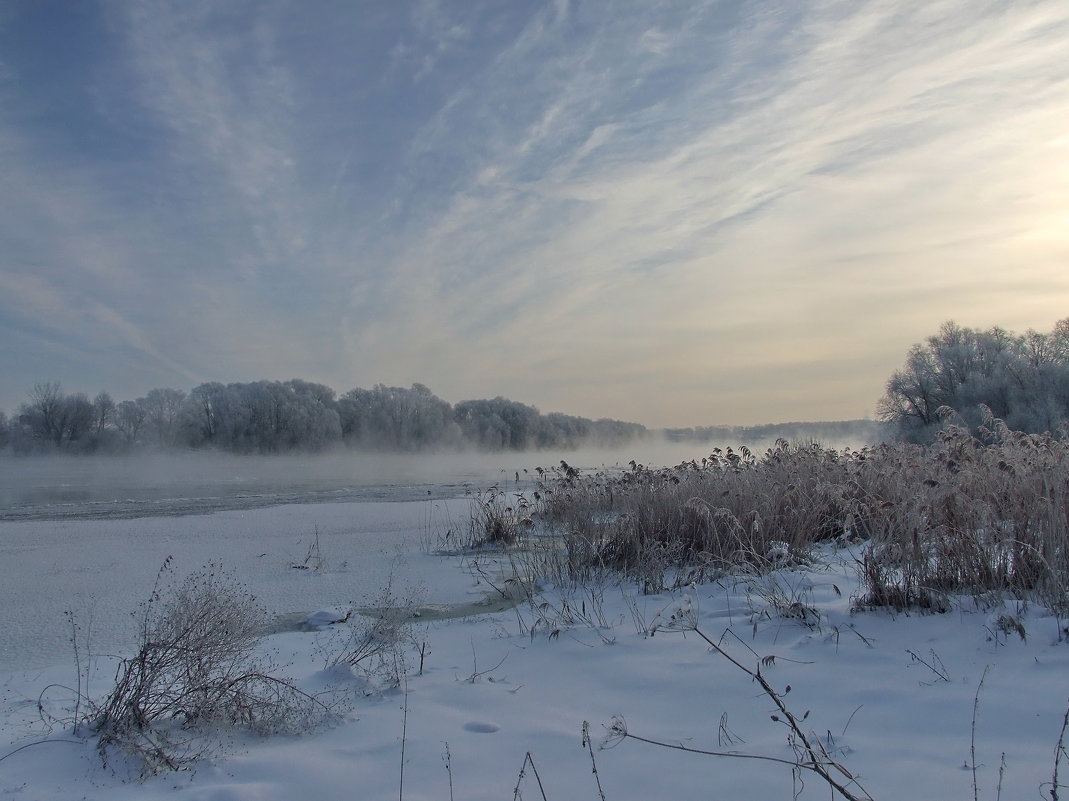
376,640
195,669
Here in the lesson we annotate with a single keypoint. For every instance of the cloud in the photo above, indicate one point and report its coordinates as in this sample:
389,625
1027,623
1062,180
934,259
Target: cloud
909,152
676,213
227,104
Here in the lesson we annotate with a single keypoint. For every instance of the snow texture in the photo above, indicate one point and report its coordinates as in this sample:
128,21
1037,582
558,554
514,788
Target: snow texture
890,696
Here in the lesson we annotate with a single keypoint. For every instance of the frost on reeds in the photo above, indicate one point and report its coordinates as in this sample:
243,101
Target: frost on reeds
983,515
698,520
496,519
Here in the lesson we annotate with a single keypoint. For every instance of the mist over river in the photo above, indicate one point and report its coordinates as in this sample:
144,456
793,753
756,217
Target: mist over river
169,484
88,534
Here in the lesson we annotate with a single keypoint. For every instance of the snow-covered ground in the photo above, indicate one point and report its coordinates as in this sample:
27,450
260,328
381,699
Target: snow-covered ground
891,697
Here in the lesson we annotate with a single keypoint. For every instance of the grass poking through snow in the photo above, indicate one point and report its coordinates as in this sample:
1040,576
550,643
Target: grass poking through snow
983,516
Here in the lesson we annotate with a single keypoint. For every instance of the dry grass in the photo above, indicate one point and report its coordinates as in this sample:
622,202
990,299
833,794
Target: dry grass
196,672
497,519
375,640
985,516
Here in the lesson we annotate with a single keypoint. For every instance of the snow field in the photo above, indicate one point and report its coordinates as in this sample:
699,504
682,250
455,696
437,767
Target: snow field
493,693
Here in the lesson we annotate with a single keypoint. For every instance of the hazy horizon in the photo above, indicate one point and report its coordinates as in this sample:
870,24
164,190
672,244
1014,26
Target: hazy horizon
164,483
66,390
679,215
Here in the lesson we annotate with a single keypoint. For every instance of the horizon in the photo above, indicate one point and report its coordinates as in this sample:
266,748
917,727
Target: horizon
672,215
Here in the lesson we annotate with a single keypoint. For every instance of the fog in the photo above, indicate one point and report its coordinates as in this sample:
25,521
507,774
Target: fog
163,484
79,523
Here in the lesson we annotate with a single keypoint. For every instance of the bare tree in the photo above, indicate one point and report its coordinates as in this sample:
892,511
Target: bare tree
130,419
76,419
162,408
103,411
44,412
54,419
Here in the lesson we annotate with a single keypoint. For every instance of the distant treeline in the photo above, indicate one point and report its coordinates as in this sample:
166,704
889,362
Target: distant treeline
830,433
296,415
963,376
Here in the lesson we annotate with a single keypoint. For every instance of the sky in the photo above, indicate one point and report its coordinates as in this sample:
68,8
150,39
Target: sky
672,213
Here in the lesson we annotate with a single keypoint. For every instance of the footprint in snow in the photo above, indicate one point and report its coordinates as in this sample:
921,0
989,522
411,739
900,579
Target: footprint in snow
481,726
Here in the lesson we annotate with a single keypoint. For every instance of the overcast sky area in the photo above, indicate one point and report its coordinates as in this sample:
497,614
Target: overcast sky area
676,213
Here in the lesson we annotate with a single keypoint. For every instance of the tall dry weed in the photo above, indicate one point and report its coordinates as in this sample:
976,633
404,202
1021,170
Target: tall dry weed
984,515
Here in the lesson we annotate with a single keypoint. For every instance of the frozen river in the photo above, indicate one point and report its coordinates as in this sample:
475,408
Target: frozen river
88,535
167,485
84,488
102,569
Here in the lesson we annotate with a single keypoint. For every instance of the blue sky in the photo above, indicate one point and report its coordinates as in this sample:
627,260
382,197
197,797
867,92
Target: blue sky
678,213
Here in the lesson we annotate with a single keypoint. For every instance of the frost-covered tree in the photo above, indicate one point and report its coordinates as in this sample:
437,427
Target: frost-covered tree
395,418
206,413
52,420
43,413
163,408
498,424
282,416
316,424
129,420
262,417
1022,379
103,413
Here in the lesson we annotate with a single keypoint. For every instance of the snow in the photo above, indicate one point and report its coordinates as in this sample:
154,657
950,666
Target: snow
322,618
890,696
101,569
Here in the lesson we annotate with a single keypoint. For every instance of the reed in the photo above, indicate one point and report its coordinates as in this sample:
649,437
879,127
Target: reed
982,515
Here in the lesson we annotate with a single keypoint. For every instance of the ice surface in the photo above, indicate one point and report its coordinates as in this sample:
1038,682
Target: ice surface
101,570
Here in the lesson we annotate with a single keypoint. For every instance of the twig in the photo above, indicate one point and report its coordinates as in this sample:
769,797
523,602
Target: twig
618,730
818,759
726,734
478,568
593,763
849,719
39,742
475,664
972,740
404,738
77,666
528,760
50,721
422,655
942,674
864,639
1001,774
449,769
1059,750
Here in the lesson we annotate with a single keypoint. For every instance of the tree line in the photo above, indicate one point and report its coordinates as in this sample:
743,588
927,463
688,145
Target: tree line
288,416
960,375
965,376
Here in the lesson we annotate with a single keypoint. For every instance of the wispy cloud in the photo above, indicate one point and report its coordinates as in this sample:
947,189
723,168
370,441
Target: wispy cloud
677,213
763,206
227,106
